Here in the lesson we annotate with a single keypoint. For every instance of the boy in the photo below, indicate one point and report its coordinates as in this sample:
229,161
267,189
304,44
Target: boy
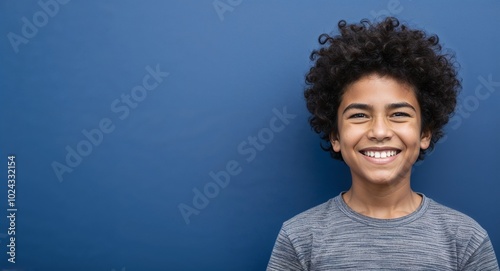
380,94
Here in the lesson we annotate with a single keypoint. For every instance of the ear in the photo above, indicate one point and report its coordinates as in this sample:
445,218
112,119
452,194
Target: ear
425,139
335,142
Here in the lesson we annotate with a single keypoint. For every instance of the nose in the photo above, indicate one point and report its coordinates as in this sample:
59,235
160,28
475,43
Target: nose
380,129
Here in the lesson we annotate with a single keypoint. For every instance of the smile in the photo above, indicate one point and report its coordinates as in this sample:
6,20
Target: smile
380,154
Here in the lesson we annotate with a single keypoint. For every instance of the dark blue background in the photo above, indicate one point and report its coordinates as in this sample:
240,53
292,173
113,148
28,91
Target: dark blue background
119,207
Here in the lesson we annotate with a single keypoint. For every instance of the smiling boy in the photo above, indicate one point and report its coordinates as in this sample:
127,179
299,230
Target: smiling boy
380,95
379,132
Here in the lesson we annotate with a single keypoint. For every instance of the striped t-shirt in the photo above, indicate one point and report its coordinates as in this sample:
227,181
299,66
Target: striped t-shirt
332,236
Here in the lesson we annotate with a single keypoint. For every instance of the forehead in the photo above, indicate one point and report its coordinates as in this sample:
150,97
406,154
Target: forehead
378,90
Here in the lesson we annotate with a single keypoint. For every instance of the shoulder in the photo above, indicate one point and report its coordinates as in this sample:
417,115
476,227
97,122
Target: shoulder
315,218
472,243
450,216
462,227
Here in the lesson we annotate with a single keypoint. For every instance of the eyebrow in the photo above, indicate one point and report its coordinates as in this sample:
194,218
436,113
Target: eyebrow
357,106
400,105
368,107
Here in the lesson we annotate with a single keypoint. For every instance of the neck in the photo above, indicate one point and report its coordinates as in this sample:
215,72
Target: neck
382,202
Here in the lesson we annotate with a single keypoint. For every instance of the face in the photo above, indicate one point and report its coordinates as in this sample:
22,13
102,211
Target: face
379,130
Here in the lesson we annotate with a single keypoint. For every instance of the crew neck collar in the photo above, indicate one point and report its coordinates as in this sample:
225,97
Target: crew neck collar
378,222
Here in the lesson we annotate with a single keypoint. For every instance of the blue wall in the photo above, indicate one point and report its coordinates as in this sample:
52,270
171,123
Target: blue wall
123,113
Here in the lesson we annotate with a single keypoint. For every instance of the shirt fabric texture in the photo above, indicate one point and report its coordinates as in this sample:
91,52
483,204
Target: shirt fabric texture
332,236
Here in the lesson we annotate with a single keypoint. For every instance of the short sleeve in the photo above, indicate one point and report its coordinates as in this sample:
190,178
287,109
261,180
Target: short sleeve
482,256
284,256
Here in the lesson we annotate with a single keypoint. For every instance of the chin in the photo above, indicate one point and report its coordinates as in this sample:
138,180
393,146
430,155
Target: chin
385,178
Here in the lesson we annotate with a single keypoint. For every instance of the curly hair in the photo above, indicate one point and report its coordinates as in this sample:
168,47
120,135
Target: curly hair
387,48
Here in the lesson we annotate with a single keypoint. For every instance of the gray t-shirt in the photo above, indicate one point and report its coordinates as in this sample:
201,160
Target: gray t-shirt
332,236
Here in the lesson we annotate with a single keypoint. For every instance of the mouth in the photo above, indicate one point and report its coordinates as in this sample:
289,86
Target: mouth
380,153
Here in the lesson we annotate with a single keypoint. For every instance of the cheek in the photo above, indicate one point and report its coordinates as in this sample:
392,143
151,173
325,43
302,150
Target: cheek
411,137
349,136
354,132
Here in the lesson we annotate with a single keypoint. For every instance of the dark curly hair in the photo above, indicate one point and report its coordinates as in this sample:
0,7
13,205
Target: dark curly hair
386,48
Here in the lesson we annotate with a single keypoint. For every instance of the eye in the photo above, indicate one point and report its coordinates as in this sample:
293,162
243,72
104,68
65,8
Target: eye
358,116
400,114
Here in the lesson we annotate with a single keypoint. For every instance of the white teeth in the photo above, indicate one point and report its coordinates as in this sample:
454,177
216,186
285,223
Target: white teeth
382,154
